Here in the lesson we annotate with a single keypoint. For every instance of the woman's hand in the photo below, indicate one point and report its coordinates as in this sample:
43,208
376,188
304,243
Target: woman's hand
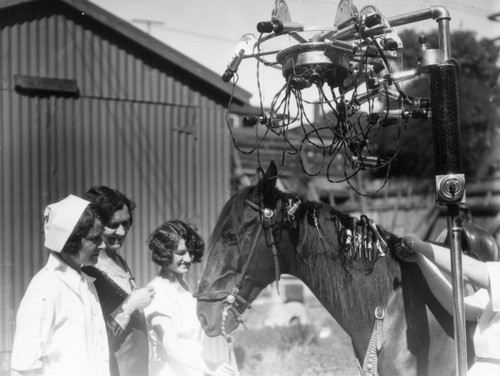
139,299
404,248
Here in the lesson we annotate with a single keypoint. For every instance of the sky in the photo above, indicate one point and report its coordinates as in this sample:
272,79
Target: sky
207,31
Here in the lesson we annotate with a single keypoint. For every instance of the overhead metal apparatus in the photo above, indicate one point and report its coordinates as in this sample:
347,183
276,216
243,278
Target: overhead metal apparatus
351,73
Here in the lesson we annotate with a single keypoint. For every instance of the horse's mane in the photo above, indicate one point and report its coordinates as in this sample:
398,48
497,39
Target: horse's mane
355,284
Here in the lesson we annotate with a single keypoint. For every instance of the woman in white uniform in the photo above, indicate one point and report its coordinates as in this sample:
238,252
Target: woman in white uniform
483,306
60,329
178,345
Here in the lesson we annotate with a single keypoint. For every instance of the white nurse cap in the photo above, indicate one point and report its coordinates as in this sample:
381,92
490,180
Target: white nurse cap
60,219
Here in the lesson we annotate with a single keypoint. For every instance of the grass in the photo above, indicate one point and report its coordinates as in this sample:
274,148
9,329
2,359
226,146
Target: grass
318,348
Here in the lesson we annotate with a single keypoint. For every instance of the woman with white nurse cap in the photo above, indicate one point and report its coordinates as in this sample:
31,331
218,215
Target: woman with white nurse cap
59,328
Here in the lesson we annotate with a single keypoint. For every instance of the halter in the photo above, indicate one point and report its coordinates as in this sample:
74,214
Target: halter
232,301
373,247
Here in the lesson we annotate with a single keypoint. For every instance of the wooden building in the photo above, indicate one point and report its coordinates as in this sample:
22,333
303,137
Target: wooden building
88,99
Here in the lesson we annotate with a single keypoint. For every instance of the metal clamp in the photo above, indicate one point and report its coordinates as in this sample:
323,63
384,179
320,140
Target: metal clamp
450,188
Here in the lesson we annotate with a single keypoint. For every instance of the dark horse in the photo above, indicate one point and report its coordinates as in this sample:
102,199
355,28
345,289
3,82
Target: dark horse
350,266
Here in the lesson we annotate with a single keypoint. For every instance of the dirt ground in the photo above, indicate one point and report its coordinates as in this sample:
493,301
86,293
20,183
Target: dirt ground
319,347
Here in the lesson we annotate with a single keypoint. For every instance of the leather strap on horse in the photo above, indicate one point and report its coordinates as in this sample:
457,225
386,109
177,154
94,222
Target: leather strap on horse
275,256
232,301
370,361
267,215
228,337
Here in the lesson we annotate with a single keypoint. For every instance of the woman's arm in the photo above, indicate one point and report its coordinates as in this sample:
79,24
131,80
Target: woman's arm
34,326
442,288
118,320
474,271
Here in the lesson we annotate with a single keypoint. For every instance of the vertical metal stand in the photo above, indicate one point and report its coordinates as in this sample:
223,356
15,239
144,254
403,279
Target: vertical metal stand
450,187
455,231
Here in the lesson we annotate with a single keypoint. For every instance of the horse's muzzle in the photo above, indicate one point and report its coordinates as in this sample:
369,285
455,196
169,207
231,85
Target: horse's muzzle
210,317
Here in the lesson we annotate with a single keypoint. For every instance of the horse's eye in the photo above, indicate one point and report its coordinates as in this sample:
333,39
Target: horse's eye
230,237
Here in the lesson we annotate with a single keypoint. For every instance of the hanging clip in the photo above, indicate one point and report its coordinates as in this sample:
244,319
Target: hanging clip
380,243
291,208
316,222
348,239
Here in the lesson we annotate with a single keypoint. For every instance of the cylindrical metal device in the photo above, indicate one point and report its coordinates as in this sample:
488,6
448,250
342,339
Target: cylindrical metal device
445,119
320,58
450,186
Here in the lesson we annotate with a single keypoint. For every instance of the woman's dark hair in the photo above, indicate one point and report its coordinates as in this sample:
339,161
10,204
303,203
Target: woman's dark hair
163,242
108,201
82,229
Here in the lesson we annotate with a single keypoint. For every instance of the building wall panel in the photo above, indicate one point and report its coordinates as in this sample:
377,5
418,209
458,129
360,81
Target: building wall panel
138,125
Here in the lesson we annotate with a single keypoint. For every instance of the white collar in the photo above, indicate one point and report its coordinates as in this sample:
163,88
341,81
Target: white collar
66,273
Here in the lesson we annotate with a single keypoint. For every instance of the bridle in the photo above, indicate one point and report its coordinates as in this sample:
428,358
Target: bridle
232,300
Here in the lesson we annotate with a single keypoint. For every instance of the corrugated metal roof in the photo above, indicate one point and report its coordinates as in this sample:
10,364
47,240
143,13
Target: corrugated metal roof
137,36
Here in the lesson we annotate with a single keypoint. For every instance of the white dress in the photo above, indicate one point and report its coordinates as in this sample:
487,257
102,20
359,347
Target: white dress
174,301
487,334
60,328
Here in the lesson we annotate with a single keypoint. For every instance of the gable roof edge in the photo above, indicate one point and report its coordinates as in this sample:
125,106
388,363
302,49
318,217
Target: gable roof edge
148,42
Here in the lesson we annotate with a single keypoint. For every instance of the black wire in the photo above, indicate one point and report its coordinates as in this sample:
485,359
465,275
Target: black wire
350,129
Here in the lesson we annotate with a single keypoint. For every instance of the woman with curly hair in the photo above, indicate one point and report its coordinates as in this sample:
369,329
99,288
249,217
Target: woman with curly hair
177,341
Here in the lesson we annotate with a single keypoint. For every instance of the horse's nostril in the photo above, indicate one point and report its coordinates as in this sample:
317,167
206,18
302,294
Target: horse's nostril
203,321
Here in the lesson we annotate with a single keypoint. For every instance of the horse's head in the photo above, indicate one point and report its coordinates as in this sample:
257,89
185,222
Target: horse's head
242,255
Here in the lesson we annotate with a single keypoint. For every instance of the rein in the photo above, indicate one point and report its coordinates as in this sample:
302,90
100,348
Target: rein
267,215
370,361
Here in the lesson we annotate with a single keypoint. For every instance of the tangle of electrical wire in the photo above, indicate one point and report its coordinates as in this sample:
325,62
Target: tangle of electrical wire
345,128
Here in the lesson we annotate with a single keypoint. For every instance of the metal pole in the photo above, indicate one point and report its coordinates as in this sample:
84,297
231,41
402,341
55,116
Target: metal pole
450,181
450,187
455,231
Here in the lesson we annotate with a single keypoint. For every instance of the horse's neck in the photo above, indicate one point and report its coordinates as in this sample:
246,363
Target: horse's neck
409,325
351,323
350,296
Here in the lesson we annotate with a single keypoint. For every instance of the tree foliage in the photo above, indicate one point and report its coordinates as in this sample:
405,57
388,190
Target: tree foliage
479,106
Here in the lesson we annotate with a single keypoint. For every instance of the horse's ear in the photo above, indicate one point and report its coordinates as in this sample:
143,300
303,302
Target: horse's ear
271,172
267,185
